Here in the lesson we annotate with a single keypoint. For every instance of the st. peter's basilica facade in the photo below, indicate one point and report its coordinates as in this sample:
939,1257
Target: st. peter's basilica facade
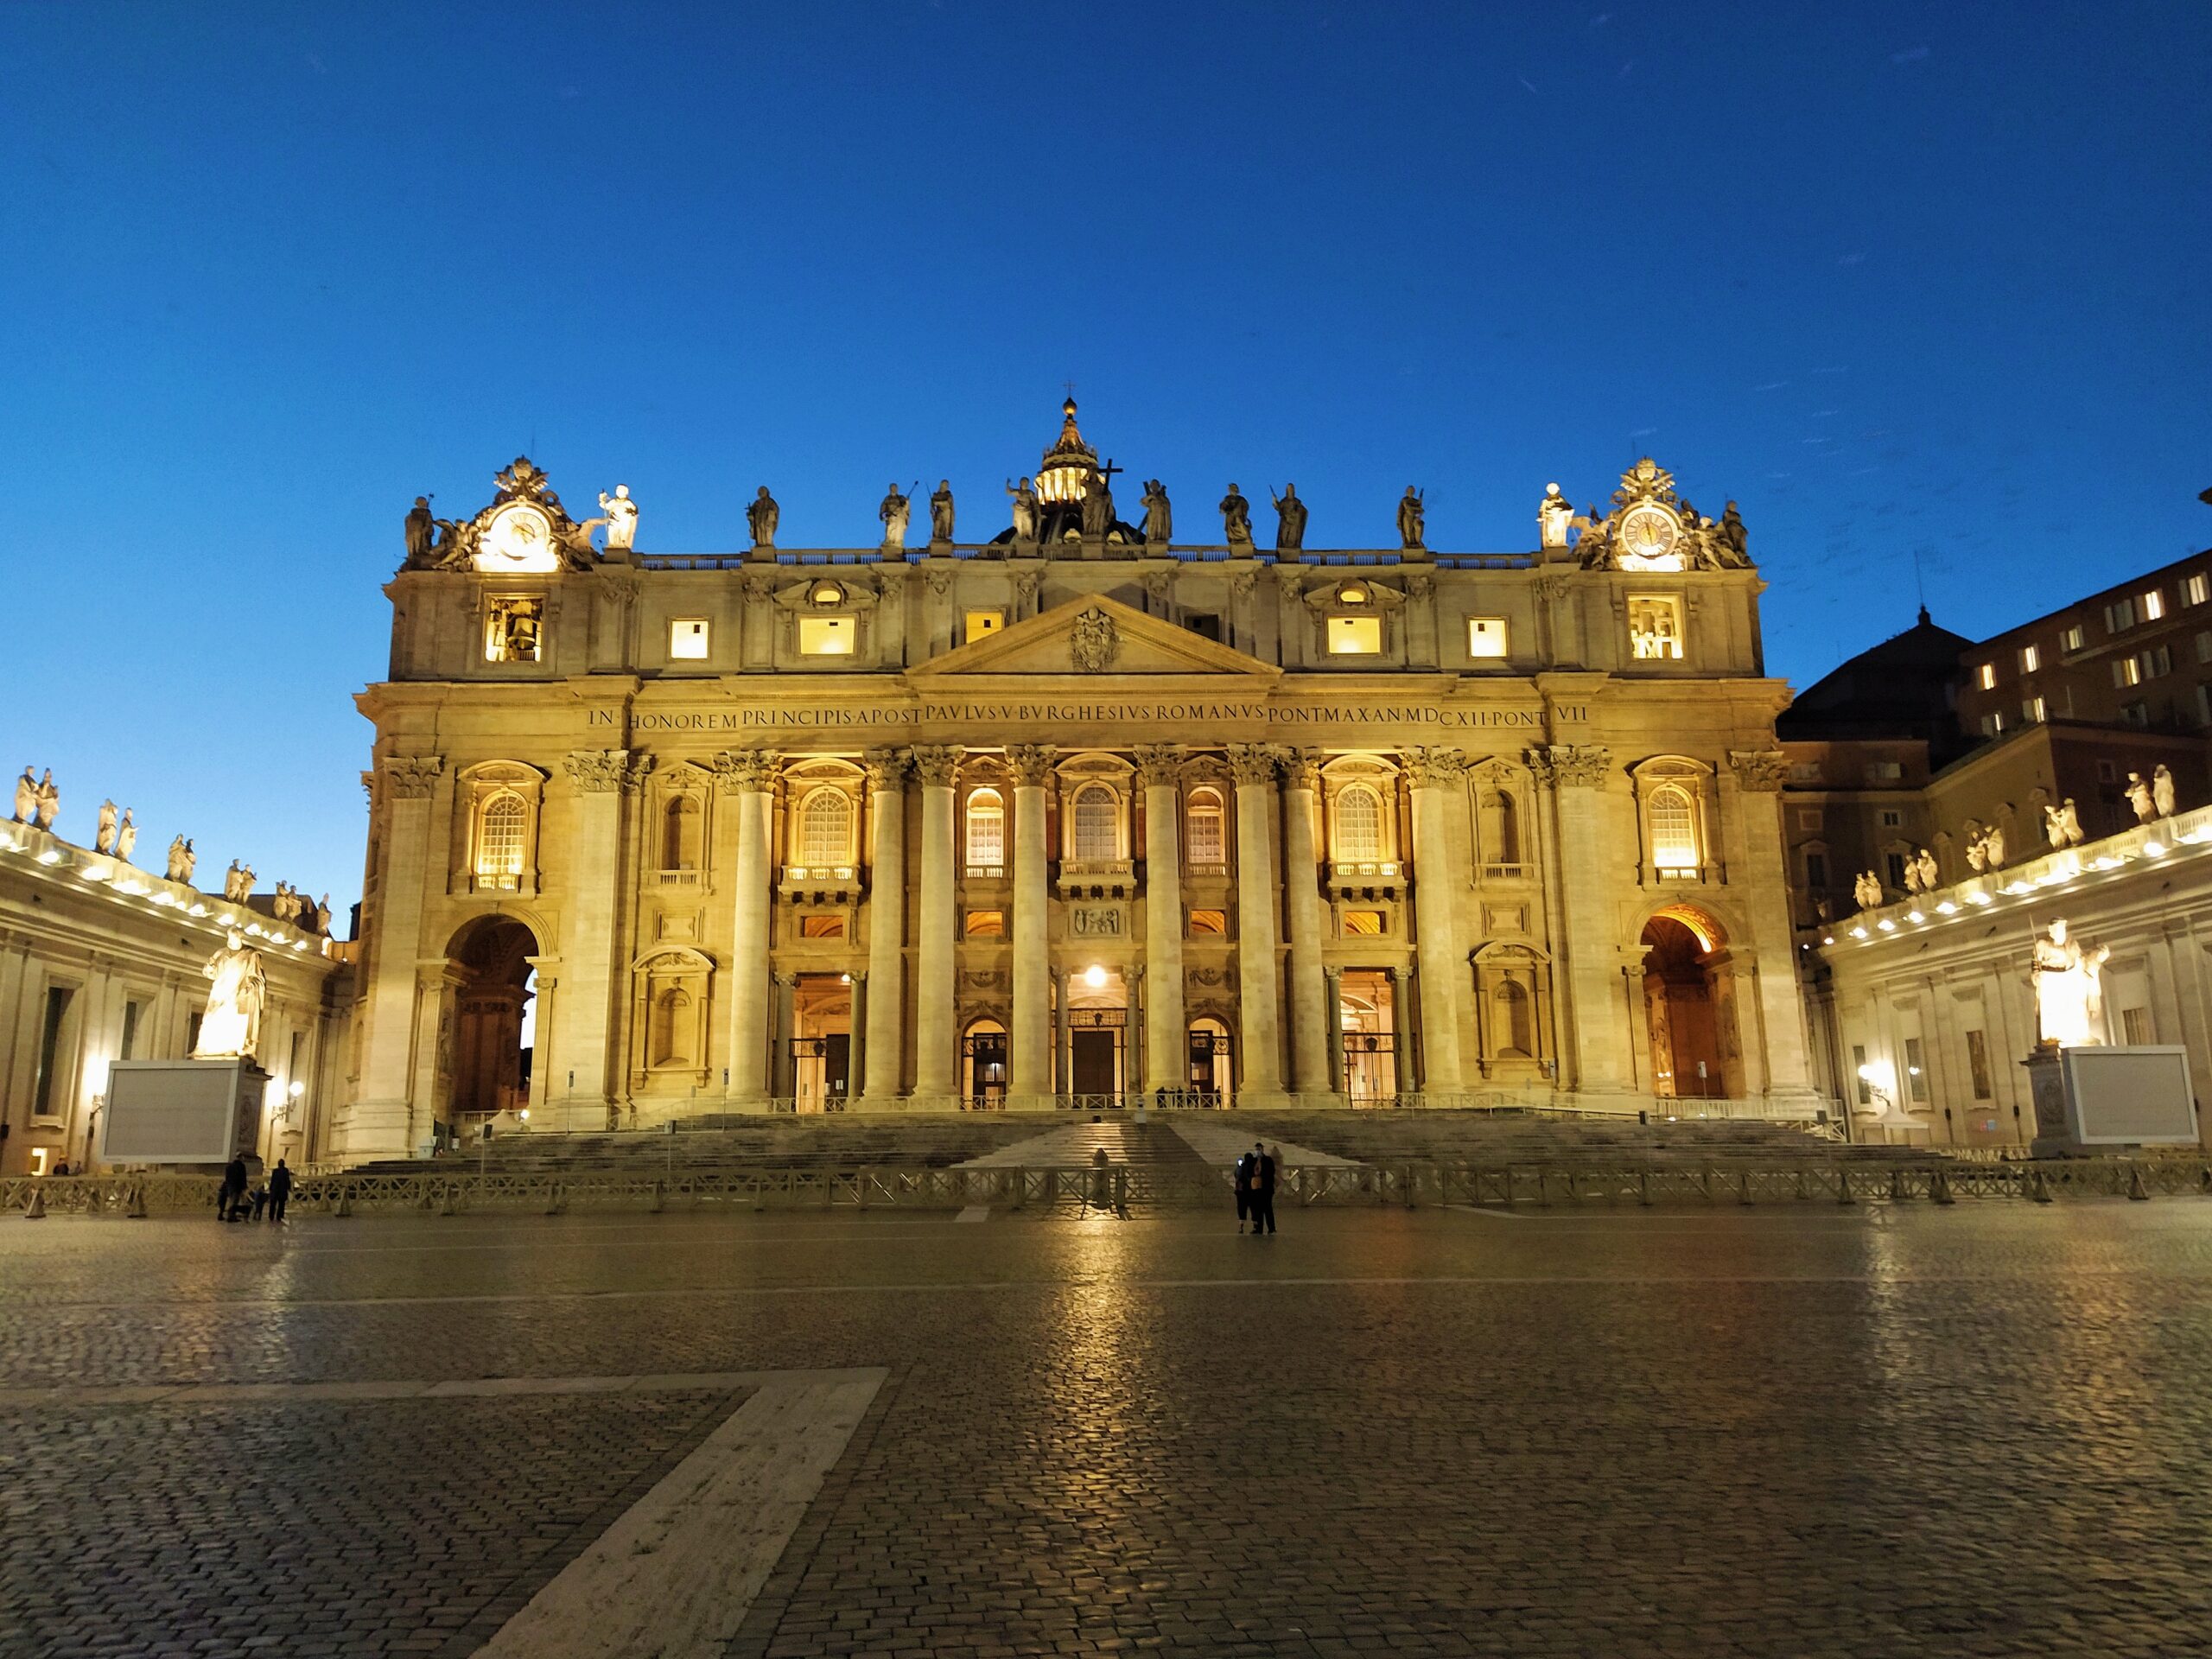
1078,814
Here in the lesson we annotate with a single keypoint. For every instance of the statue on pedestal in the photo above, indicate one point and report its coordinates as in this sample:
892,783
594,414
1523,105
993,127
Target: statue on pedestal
2162,792
2139,797
1098,506
1866,890
941,512
1290,520
285,907
1413,517
1977,853
895,513
1733,536
622,519
230,1028
1554,514
419,523
1993,846
2071,817
2069,991
181,859
1236,519
104,837
1929,877
761,516
126,836
322,915
1158,516
26,796
1912,874
1024,511
48,800
2054,826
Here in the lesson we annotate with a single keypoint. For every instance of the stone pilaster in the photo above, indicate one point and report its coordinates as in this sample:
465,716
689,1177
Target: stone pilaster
1758,775
878,1039
404,789
936,1047
603,782
1598,1030
1443,981
1029,1067
748,780
1311,1004
1164,1019
1260,1044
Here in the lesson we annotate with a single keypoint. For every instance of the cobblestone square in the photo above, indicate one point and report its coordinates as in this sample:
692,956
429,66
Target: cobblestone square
1779,1430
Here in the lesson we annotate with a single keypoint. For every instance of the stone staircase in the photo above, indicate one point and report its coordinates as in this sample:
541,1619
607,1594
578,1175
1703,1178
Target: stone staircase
830,1141
1128,1143
1491,1139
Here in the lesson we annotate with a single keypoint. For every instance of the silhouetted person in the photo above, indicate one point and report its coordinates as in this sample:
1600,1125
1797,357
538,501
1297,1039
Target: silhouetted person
280,1190
1261,1202
1247,1170
233,1196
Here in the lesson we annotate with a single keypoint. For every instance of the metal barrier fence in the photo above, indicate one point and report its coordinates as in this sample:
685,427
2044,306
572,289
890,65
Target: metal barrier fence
1124,1187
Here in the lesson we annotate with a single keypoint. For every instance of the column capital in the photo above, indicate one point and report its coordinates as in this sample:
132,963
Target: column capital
1253,763
1759,769
887,770
1031,764
785,980
411,776
742,770
936,763
605,772
1433,768
1331,971
858,977
1302,769
1157,764
1578,766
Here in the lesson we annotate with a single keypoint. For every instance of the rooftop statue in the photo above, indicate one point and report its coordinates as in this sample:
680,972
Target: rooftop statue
2162,792
1098,506
230,1028
1237,518
104,837
418,533
26,796
2072,817
762,516
895,512
2139,797
182,858
1159,516
1413,517
1733,536
622,519
49,800
941,512
1554,515
126,836
2069,991
1025,510
2054,826
1929,878
1290,520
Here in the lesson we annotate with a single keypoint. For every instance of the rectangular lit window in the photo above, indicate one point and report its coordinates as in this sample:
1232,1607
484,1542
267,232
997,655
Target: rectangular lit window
1986,680
2196,589
825,636
1485,636
2119,616
2135,1028
687,637
2031,711
985,924
2074,639
1858,1068
1655,628
1363,922
2127,671
1354,636
2154,605
1209,921
511,629
2031,659
1992,723
1915,1070
1978,1063
980,623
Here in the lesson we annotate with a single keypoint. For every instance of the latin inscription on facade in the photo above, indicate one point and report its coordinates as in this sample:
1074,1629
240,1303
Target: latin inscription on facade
788,716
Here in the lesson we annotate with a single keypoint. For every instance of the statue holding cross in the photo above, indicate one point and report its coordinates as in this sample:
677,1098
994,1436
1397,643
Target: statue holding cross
1099,502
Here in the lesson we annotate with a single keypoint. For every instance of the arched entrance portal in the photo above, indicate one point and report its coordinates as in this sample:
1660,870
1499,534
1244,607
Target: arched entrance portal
1689,1008
491,1044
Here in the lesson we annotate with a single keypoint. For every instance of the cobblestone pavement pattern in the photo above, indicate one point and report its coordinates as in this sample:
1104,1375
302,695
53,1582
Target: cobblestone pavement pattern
1775,1432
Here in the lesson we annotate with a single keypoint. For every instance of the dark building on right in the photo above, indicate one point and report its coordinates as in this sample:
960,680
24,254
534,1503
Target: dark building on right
1948,798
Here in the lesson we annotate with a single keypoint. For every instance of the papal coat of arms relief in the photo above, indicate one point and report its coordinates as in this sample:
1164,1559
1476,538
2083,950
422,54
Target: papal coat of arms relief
1094,642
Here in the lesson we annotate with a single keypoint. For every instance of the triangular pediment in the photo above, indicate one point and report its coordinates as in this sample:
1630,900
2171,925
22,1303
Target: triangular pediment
1094,635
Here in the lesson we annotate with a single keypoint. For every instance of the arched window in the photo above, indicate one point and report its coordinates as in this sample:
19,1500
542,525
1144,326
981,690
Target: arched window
986,831
501,835
1206,818
1097,824
1672,819
680,833
1359,825
825,829
1515,1025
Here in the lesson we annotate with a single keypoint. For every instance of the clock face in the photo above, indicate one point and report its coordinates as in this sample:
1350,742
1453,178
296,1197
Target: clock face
519,538
1649,539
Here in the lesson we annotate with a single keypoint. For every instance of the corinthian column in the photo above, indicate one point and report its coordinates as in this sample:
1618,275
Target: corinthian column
1163,918
747,778
1596,1033
603,780
1029,1063
384,1118
937,1048
1311,1005
1260,1041
886,929
1443,976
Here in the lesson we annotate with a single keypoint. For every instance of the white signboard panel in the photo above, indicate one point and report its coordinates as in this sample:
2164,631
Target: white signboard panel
2130,1096
181,1111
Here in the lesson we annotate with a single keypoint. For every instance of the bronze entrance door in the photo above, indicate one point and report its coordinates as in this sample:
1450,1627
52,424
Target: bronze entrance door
1094,1062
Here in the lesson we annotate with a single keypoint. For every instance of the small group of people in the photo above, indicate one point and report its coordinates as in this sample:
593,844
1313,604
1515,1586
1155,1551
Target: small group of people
1257,1173
236,1203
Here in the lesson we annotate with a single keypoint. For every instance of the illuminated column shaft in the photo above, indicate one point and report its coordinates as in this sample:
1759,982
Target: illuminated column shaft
408,790
603,781
886,927
1029,1063
1443,973
937,1048
1164,1021
1312,1008
748,778
1599,1022
1260,1043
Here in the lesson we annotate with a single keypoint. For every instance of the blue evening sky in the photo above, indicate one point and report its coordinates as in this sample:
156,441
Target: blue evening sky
1906,281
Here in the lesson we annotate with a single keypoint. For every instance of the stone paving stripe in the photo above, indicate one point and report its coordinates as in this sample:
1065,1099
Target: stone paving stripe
674,1576
225,1394
1485,1210
975,1212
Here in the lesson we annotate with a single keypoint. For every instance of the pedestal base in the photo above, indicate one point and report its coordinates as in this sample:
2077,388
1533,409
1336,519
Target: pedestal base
2100,1099
183,1111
